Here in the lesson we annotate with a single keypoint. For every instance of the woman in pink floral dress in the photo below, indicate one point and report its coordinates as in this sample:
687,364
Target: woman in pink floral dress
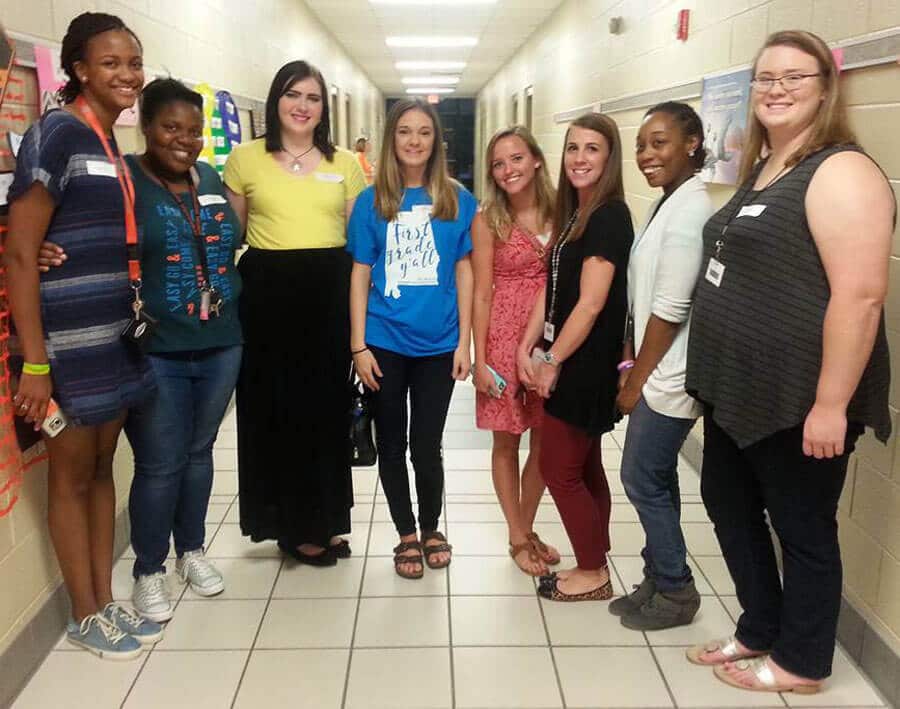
510,238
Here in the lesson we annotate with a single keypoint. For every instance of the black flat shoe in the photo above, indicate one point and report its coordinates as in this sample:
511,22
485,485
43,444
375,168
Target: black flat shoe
341,550
323,558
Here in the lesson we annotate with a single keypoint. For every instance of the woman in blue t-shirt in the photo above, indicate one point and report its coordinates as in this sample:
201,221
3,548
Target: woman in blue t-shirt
188,236
410,314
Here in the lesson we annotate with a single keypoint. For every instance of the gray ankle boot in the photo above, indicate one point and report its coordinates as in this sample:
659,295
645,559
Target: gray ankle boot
665,610
634,600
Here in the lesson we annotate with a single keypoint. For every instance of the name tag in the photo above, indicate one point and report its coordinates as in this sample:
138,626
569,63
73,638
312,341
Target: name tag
714,272
752,210
549,331
208,199
99,168
328,177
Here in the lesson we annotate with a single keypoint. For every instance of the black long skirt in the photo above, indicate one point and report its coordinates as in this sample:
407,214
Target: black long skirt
293,400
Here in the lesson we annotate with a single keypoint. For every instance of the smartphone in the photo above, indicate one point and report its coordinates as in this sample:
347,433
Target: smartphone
56,420
499,381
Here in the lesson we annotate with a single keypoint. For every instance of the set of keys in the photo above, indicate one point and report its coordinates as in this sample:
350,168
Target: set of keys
210,303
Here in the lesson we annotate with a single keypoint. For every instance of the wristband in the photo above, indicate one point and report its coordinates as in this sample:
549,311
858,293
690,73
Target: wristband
40,370
624,365
356,352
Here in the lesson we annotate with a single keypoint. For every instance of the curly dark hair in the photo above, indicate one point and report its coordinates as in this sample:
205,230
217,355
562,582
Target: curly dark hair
159,93
74,45
688,122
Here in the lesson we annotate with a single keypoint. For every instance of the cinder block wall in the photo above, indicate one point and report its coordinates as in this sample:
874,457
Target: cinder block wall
573,60
232,45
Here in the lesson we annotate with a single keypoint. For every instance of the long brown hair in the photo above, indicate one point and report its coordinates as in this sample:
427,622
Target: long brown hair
608,188
830,125
495,206
389,183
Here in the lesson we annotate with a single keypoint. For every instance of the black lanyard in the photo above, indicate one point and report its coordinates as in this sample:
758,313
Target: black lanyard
202,268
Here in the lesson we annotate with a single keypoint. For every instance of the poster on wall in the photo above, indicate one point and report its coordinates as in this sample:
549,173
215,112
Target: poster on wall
723,109
7,54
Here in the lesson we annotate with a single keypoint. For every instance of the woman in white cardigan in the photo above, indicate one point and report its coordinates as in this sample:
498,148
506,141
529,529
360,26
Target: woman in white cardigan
665,262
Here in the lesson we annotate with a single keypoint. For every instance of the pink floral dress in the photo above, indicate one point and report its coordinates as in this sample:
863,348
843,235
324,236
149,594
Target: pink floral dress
520,271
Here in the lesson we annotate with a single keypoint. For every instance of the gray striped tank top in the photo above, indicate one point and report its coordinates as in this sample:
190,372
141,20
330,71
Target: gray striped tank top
755,350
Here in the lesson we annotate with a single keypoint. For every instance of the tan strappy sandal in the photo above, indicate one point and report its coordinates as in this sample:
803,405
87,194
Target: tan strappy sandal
727,646
764,678
542,549
533,556
400,560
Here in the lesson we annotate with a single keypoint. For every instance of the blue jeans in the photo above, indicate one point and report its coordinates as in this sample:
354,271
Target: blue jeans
650,478
172,436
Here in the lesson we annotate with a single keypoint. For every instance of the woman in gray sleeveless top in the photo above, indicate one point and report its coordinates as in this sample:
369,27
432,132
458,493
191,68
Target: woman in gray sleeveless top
788,354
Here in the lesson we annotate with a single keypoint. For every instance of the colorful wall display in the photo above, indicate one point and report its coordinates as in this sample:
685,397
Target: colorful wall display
723,108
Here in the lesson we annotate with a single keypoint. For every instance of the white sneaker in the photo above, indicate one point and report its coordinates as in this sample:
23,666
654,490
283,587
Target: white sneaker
196,569
151,597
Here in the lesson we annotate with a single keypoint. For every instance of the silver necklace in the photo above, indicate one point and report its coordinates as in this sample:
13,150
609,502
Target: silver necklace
296,165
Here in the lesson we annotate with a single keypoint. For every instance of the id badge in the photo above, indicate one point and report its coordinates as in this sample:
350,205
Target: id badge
714,272
549,331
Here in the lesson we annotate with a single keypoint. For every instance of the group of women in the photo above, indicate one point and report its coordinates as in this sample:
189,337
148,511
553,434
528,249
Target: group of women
766,317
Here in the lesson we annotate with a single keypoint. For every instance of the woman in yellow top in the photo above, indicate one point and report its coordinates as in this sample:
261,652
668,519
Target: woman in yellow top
362,145
294,192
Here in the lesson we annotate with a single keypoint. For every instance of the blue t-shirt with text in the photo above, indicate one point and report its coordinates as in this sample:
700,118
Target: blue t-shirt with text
412,308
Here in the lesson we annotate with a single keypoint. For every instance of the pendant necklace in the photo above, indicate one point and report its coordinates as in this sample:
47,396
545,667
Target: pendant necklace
296,165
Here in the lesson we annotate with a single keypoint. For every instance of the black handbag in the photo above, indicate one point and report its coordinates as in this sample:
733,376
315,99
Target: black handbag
362,443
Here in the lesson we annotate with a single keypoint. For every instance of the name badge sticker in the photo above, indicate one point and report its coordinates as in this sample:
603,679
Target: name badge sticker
549,331
208,199
752,210
715,271
98,168
329,177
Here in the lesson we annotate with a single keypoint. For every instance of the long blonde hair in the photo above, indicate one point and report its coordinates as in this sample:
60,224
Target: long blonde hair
830,125
495,207
608,188
389,183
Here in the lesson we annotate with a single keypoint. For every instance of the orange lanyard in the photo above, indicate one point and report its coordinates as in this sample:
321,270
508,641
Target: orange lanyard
124,176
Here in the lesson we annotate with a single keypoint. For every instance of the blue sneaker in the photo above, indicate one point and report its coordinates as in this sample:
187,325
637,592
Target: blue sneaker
146,632
97,635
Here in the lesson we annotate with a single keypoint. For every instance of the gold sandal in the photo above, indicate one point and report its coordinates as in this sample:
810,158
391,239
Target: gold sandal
764,678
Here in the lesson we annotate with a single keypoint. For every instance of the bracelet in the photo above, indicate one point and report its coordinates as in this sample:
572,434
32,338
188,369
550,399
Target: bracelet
40,370
624,365
356,352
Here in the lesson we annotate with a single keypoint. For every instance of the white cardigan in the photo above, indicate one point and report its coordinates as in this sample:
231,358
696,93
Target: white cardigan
662,274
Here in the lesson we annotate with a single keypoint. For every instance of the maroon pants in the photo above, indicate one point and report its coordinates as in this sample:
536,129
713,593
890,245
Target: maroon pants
573,470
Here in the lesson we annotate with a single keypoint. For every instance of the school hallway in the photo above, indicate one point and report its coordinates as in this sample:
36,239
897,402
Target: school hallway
474,636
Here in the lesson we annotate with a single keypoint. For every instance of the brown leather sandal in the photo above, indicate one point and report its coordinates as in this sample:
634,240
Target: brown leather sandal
533,556
429,550
542,549
400,560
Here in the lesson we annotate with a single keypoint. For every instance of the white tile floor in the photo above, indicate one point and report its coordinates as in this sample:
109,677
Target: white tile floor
356,636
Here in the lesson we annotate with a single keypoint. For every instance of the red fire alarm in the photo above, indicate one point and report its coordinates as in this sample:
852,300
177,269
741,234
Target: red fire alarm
684,21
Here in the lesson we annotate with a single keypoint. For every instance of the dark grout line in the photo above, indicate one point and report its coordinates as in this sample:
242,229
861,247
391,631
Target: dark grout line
359,597
262,619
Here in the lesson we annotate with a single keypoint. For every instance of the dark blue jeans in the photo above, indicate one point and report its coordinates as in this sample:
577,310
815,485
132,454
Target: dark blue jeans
172,436
650,478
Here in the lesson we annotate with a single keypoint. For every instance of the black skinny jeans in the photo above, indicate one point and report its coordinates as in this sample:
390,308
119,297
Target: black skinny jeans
429,383
796,620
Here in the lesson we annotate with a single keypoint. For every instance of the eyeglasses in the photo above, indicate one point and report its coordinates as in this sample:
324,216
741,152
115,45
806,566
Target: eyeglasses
791,82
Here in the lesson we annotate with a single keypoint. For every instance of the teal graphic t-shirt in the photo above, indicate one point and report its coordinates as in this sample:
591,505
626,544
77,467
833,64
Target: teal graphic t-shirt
412,308
169,259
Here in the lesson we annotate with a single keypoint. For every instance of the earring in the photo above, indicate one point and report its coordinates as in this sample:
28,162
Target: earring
691,154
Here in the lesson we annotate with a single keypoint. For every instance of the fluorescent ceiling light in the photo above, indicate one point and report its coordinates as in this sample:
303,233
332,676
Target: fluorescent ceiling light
431,90
432,80
433,2
429,66
431,41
